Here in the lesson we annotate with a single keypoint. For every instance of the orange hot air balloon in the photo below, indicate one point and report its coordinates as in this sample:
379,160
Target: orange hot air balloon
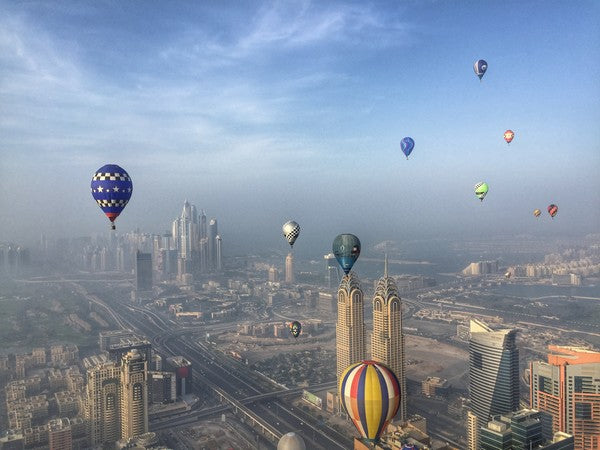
509,135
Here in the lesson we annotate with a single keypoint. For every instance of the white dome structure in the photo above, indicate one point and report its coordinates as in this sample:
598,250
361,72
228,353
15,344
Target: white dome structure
291,441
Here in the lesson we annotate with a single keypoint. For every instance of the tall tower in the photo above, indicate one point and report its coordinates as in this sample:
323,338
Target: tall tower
387,341
143,271
219,259
134,394
350,326
493,372
567,389
212,243
332,274
289,268
102,403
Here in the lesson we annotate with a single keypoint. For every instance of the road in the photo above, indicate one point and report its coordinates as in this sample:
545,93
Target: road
231,376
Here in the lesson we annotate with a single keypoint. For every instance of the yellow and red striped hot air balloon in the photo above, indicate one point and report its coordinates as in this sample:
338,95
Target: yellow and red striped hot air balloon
370,394
509,135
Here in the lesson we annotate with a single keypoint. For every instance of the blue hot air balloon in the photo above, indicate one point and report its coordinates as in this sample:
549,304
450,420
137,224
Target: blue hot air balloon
346,248
111,188
480,67
407,144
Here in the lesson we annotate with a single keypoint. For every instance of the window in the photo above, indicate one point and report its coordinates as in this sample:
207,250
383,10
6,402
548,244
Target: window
583,411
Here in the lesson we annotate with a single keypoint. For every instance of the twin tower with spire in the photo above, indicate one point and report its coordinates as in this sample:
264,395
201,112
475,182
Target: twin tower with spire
387,339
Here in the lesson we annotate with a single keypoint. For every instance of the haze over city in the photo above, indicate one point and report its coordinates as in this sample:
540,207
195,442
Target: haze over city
346,224
261,112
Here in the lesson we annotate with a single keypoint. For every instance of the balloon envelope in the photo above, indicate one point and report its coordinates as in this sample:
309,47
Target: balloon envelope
480,67
370,393
537,212
407,144
295,328
552,210
291,231
509,135
346,248
481,190
111,188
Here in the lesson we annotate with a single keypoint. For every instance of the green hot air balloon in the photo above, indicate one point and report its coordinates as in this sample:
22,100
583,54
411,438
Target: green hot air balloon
481,190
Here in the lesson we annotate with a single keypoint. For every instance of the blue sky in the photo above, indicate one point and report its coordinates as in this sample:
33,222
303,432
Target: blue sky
264,111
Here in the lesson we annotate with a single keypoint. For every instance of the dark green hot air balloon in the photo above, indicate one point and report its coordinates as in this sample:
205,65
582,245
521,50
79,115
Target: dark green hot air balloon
295,328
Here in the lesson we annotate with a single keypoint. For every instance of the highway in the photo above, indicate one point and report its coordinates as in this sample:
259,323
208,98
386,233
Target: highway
232,377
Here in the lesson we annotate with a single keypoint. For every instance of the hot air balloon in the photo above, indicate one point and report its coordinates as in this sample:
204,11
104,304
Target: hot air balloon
509,135
111,188
537,212
295,328
291,231
370,393
407,144
507,275
481,190
346,248
552,210
480,67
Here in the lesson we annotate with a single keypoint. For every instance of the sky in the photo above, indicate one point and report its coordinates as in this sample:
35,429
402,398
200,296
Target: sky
261,112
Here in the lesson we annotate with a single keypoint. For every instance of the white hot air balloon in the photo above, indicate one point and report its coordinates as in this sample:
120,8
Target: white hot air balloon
291,231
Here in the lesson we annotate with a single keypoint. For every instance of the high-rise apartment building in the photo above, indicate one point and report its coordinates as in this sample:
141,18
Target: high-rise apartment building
289,268
387,341
102,406
493,372
134,394
116,399
350,326
567,388
143,271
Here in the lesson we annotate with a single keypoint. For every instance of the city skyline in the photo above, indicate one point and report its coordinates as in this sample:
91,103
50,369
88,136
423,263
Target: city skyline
298,104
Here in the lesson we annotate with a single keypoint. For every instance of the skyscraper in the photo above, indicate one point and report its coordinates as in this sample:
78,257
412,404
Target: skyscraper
186,231
567,388
116,399
102,403
350,326
387,341
493,372
332,273
134,394
219,259
143,271
289,268
212,243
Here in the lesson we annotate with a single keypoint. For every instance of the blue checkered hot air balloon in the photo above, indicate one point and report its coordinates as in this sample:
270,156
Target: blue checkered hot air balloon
111,188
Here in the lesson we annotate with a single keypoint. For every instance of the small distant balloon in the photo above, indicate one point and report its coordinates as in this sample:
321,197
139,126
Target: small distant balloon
346,248
111,188
480,67
295,328
407,145
481,190
552,210
537,212
507,275
291,231
509,135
